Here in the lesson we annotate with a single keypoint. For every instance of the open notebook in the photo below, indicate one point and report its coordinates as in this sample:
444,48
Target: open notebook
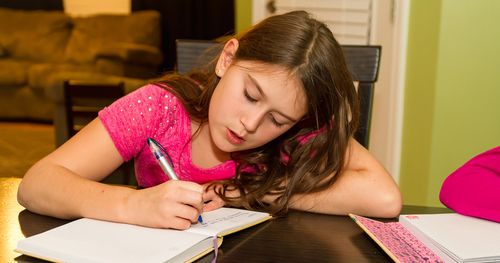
447,237
90,240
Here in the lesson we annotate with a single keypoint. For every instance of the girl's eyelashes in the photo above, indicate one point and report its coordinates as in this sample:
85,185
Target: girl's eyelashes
248,97
271,117
275,122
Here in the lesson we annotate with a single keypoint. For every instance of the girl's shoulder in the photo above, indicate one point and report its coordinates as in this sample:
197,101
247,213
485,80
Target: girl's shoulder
152,89
150,97
147,103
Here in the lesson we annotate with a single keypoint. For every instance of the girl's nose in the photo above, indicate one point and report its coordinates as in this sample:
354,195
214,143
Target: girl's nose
251,121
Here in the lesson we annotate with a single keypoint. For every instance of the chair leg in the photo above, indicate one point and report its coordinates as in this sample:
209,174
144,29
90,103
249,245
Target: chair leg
60,125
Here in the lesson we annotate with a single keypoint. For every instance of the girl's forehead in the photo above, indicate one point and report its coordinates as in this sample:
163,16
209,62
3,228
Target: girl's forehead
262,67
271,73
279,84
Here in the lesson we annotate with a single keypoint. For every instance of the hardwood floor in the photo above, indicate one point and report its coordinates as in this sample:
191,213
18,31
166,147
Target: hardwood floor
22,144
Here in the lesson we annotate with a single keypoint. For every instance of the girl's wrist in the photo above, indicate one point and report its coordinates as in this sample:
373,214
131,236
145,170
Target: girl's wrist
123,207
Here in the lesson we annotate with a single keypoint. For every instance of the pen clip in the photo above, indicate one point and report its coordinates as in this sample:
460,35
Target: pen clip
164,151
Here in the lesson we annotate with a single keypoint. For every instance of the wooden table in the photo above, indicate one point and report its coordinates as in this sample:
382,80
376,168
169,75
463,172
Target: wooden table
299,237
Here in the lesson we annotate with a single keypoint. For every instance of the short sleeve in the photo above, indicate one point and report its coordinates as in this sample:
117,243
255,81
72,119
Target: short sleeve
135,117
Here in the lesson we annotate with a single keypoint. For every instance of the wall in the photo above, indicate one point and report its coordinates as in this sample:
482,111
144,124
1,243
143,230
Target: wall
451,93
243,15
90,7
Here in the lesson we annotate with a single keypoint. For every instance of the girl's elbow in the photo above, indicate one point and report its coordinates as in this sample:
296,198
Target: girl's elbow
388,200
391,204
22,194
25,190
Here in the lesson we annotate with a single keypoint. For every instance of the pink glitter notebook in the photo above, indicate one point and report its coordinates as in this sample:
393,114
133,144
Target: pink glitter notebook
398,242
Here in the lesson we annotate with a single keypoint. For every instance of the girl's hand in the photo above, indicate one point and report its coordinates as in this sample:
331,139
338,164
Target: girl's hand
211,200
173,204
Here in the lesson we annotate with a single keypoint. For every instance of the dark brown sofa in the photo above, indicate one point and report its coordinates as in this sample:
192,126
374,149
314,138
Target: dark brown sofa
41,49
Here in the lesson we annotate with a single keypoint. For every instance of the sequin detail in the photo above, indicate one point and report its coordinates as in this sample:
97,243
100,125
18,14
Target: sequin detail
152,111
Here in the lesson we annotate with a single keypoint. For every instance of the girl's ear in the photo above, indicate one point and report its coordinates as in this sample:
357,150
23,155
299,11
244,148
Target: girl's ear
226,57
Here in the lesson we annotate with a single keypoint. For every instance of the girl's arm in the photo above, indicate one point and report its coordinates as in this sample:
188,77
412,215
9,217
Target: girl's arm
64,184
364,188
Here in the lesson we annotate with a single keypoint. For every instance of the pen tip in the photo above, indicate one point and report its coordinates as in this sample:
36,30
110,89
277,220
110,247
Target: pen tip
149,141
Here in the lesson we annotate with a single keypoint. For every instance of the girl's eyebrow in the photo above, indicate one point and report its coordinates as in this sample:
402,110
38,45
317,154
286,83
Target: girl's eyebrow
256,84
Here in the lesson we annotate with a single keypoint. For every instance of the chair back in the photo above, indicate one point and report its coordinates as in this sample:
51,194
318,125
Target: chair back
82,102
193,53
363,63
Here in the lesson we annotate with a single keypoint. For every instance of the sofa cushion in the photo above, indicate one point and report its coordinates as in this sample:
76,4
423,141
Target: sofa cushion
117,68
14,72
40,75
54,88
132,53
93,33
35,35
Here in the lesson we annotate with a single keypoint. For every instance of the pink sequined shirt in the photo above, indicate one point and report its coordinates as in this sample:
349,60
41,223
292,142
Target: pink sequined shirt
152,111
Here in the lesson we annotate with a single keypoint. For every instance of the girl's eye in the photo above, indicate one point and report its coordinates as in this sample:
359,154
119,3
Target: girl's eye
249,98
275,122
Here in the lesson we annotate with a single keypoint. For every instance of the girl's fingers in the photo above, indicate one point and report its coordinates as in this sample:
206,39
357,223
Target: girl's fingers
187,193
191,198
210,206
179,223
212,200
209,195
183,212
192,186
213,204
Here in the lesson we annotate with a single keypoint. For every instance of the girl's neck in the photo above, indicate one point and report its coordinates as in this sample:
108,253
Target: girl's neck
204,152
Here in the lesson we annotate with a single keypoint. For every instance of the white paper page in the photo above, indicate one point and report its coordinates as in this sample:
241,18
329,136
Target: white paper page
87,240
466,237
224,220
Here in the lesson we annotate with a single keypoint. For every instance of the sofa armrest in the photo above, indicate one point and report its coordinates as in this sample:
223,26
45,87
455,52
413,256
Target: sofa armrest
131,53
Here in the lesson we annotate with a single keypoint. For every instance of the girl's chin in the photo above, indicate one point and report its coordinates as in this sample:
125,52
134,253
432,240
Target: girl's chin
226,147
223,146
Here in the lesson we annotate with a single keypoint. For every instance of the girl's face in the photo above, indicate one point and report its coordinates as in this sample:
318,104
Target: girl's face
253,104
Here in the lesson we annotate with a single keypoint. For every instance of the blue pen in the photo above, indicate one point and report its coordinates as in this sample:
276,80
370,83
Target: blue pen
166,165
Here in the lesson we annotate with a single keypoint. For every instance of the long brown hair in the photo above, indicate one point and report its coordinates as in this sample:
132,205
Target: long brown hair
308,157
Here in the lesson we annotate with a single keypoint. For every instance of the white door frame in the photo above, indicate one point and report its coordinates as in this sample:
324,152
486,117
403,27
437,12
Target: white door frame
390,20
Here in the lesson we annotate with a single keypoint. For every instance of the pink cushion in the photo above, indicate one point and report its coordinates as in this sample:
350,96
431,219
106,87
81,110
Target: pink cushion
474,188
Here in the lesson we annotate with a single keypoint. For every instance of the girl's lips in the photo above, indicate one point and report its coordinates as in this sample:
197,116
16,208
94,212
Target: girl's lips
233,137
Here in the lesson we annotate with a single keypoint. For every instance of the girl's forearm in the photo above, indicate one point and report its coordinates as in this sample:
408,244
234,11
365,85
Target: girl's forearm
54,190
357,192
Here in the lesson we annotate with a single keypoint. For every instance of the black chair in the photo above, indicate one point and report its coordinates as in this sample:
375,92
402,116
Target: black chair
192,53
82,102
363,63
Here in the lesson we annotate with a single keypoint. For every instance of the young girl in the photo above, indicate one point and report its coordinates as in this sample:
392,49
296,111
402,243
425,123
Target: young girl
268,125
